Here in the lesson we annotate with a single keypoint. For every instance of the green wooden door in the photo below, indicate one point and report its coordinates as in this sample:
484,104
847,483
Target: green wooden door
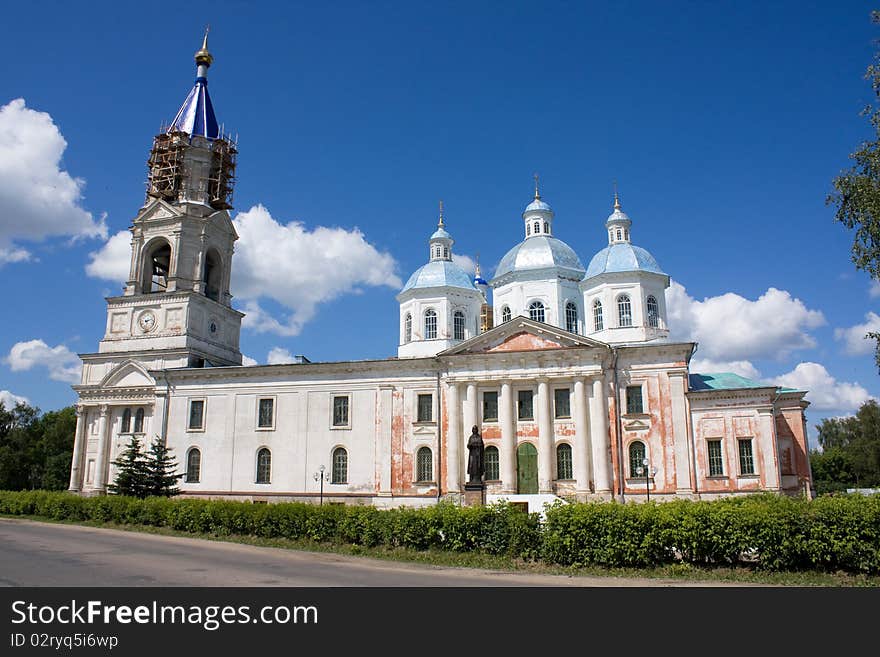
527,469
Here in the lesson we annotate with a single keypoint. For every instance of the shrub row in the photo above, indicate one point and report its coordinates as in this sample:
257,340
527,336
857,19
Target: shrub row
772,532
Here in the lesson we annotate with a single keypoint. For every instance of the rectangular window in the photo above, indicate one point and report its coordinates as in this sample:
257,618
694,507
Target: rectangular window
426,408
746,458
525,410
634,400
266,413
716,462
562,403
196,414
490,406
340,411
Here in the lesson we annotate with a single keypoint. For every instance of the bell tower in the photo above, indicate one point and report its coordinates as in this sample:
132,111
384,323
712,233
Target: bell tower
176,309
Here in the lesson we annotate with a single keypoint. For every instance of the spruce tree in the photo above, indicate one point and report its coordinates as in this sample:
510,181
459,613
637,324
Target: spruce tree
132,472
161,467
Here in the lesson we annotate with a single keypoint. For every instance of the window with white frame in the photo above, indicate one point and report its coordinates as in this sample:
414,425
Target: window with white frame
536,311
425,408
339,474
424,464
598,325
193,466
525,407
571,317
561,403
636,458
634,403
564,465
624,310
716,458
505,314
490,406
264,466
341,416
266,413
458,325
407,328
139,421
653,312
493,463
430,324
196,415
746,457
125,427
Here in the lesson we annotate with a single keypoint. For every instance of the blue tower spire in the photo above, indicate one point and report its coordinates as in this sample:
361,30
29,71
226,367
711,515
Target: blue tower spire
196,115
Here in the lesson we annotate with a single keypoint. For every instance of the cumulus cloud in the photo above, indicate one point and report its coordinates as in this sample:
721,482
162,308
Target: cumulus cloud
854,341
62,364
300,268
708,366
874,290
247,361
37,198
279,356
824,391
465,262
8,400
732,328
112,261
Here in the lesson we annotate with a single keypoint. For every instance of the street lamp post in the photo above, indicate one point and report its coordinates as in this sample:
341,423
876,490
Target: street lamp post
649,472
321,476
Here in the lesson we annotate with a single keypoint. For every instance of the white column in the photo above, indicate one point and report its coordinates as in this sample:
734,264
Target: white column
101,465
545,439
599,438
470,416
581,450
506,419
768,446
384,423
76,474
453,439
678,407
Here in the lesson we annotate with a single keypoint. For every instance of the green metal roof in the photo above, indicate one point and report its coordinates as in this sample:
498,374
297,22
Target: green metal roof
723,381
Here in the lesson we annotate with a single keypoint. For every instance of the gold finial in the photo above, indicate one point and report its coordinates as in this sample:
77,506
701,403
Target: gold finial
202,55
616,198
537,194
440,223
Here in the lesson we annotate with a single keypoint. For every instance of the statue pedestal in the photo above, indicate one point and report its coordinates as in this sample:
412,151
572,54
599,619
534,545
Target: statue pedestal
474,494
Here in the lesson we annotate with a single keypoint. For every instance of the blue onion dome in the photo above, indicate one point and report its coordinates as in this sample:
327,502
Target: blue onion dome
540,252
620,257
196,116
439,273
441,234
538,205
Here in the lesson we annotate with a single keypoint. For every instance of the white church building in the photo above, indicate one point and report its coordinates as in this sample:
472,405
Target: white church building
567,371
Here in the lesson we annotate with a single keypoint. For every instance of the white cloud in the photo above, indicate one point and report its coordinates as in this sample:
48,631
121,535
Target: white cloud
300,269
63,364
708,366
732,328
112,261
9,400
247,361
37,198
824,391
874,290
465,262
279,356
853,338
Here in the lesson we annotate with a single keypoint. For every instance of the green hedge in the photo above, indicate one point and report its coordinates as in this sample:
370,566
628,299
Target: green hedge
840,532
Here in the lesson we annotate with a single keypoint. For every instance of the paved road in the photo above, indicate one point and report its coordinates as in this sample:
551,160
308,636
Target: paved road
45,554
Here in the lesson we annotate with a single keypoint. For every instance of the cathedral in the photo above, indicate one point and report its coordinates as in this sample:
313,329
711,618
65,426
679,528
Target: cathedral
567,372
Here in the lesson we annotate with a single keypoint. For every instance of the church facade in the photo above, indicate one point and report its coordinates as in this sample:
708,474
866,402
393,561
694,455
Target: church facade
566,371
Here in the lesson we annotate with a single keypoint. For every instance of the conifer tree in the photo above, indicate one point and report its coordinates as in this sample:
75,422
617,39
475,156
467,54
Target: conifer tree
161,467
132,472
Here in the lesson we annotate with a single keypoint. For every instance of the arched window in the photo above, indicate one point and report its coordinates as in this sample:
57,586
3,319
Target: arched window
492,463
264,466
624,311
537,227
340,466
139,421
571,317
505,314
424,464
407,328
430,325
126,421
653,312
564,469
618,234
546,227
157,265
536,311
528,229
458,325
598,324
213,275
193,466
636,458
446,252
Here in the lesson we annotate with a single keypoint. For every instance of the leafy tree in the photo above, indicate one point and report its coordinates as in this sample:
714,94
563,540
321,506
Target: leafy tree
35,450
132,471
851,451
161,466
857,191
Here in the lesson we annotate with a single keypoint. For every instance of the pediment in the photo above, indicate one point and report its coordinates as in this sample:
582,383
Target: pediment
158,210
223,222
636,425
522,334
129,374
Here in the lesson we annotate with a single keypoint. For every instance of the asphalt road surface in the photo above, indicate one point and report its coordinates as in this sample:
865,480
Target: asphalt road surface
46,554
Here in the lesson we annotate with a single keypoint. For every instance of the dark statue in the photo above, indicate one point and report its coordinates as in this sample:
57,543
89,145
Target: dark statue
476,467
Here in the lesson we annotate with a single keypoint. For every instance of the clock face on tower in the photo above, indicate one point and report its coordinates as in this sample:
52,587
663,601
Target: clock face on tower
147,321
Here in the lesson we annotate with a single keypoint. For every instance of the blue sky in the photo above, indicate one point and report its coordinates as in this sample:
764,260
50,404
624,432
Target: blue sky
723,123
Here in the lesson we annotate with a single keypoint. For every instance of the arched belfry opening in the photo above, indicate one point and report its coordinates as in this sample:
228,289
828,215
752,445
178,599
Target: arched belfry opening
213,276
157,268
